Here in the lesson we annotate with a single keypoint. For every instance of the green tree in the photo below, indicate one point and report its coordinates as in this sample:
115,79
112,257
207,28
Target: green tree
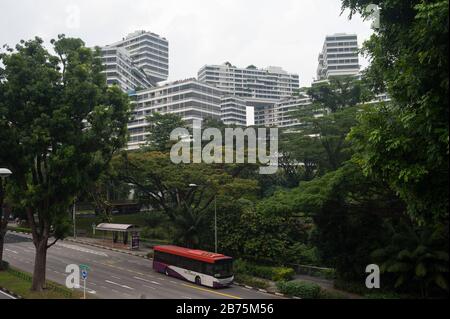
159,129
338,93
65,123
407,143
416,257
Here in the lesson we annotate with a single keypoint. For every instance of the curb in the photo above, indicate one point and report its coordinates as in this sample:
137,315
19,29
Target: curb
16,296
264,291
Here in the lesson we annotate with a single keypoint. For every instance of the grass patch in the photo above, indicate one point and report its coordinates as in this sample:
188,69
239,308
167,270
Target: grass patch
20,229
20,283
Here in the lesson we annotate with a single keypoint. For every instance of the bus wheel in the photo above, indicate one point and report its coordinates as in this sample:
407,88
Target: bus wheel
198,281
166,271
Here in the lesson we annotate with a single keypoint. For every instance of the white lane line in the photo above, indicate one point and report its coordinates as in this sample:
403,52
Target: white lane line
84,250
142,279
120,285
13,251
149,287
7,295
116,277
149,281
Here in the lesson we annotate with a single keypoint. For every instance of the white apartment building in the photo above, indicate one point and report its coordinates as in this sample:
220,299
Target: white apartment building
148,52
190,99
339,56
233,110
281,114
272,83
120,70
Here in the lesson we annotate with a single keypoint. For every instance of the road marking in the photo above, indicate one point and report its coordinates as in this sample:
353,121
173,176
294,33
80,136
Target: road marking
84,250
149,287
138,278
116,277
13,251
212,291
7,295
120,285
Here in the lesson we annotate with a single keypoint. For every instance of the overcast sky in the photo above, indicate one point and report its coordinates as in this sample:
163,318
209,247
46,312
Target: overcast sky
286,33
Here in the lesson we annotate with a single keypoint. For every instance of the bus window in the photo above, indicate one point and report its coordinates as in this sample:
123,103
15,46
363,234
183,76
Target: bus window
223,269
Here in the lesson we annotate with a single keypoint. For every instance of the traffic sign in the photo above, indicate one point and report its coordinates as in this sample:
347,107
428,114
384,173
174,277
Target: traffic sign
84,274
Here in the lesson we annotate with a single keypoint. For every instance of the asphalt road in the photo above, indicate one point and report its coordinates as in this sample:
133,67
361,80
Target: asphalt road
115,275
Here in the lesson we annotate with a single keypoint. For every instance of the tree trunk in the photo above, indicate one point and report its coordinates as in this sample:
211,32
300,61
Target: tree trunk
40,262
2,239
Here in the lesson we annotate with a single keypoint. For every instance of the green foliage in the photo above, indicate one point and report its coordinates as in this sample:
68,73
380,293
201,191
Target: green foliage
61,125
338,93
407,143
266,272
416,256
327,294
301,289
159,129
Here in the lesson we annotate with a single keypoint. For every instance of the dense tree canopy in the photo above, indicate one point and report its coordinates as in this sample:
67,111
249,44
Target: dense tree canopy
64,124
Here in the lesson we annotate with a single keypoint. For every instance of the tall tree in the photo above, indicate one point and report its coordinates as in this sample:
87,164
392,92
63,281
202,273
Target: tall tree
159,129
66,125
407,143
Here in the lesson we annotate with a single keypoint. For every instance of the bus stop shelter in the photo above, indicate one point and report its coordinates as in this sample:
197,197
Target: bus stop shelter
124,231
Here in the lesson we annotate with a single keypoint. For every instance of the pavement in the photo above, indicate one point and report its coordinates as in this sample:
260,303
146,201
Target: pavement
115,275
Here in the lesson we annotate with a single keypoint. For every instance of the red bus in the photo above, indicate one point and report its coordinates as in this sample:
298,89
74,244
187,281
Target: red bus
201,267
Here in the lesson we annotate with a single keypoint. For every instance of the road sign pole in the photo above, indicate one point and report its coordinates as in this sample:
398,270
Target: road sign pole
84,288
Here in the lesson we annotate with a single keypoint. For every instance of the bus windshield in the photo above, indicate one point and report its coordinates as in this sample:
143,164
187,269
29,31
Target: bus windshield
223,268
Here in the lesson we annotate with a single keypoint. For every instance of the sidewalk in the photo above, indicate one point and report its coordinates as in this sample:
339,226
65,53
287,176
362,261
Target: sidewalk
109,245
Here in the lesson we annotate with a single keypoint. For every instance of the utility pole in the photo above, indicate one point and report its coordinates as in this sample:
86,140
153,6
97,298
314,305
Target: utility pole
74,220
215,221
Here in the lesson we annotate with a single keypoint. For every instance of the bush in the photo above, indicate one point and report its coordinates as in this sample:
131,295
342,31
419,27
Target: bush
301,289
326,294
251,281
283,274
382,295
266,272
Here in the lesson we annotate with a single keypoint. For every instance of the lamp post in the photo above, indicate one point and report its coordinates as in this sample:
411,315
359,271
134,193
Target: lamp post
215,219
74,219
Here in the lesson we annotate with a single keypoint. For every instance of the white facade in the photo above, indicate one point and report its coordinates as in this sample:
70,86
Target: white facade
149,52
339,56
281,113
190,99
270,83
233,110
120,70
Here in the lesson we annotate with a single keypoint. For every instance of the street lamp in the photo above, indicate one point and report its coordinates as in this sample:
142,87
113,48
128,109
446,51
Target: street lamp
215,218
4,173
